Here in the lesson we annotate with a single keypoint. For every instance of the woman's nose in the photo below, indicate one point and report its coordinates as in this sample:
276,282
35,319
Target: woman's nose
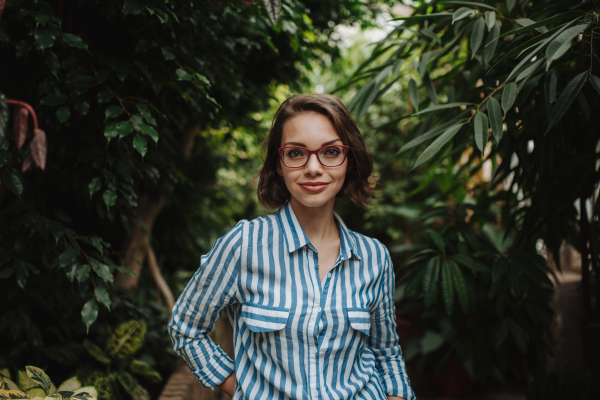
313,166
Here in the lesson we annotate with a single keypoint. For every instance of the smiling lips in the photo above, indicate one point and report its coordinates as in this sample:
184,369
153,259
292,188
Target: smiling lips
314,187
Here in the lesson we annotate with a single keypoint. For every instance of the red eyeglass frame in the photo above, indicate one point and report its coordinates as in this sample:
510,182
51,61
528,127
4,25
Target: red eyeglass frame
315,152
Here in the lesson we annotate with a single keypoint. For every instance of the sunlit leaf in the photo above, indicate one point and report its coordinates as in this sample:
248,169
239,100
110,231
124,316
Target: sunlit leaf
113,111
490,19
273,9
89,313
548,21
481,130
102,296
442,107
461,13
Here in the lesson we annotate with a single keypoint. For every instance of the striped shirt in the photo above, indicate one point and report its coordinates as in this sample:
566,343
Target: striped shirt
295,336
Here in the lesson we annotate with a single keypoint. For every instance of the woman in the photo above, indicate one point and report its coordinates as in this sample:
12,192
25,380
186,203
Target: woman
311,302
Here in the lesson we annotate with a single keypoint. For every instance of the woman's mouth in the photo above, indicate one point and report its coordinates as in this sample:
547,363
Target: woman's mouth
314,187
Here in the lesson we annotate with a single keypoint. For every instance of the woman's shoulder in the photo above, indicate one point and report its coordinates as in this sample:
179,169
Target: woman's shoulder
367,246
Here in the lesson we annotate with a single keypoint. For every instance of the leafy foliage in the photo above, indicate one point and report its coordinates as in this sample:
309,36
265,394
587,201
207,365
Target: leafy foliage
494,91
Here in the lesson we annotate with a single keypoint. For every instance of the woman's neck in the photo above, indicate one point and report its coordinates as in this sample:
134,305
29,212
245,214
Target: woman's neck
317,222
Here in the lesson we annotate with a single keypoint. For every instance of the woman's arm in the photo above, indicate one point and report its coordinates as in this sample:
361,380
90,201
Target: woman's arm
229,385
383,339
212,288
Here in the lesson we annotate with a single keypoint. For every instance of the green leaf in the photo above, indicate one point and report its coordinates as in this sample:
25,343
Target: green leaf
54,99
460,285
495,114
104,96
113,111
430,280
68,257
437,144
183,75
595,81
167,54
425,136
89,313
141,368
139,143
566,98
95,351
509,94
124,128
490,47
510,4
102,270
413,91
127,339
74,41
417,18
447,287
490,19
437,239
415,281
82,106
110,131
477,35
102,296
150,131
145,112
430,88
562,43
81,272
95,185
38,375
442,107
63,114
469,263
109,198
527,22
431,342
548,21
13,182
44,38
97,243
481,130
472,4
52,62
461,13
550,87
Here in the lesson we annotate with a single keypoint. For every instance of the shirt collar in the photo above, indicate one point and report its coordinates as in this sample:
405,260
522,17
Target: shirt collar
296,238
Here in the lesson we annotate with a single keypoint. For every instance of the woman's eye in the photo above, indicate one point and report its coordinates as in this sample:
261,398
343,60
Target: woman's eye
294,153
332,152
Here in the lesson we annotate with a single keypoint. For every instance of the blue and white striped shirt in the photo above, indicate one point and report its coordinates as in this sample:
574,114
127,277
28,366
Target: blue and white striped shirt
295,337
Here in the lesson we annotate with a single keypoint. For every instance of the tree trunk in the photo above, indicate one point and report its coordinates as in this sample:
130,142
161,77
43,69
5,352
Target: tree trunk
140,249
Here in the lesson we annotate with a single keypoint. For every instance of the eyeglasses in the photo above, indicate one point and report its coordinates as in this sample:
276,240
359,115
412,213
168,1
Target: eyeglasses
328,156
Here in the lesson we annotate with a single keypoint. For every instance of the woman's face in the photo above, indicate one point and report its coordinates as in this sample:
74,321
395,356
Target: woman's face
313,185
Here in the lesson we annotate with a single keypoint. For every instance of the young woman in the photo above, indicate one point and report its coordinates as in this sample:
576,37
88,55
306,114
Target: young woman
311,302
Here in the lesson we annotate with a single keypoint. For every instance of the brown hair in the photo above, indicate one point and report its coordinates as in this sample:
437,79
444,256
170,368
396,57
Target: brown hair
358,184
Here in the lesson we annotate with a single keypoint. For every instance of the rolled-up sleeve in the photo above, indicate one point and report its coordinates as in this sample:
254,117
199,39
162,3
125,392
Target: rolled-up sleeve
212,288
384,339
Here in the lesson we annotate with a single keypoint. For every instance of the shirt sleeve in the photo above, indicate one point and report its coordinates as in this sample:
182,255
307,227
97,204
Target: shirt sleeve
384,339
212,288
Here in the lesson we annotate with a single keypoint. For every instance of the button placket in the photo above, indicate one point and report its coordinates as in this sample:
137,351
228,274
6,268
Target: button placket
313,324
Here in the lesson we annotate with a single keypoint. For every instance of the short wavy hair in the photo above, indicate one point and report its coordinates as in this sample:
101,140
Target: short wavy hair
359,183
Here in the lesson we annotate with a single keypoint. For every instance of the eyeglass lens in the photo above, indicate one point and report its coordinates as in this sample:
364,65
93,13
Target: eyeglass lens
330,156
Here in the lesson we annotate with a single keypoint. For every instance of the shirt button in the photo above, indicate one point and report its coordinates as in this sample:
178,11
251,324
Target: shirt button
314,351
329,274
315,392
318,309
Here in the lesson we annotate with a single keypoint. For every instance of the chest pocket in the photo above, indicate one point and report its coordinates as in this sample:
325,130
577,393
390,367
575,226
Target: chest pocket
360,319
264,318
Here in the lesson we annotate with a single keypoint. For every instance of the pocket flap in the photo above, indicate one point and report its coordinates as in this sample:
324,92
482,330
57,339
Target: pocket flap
264,318
360,319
